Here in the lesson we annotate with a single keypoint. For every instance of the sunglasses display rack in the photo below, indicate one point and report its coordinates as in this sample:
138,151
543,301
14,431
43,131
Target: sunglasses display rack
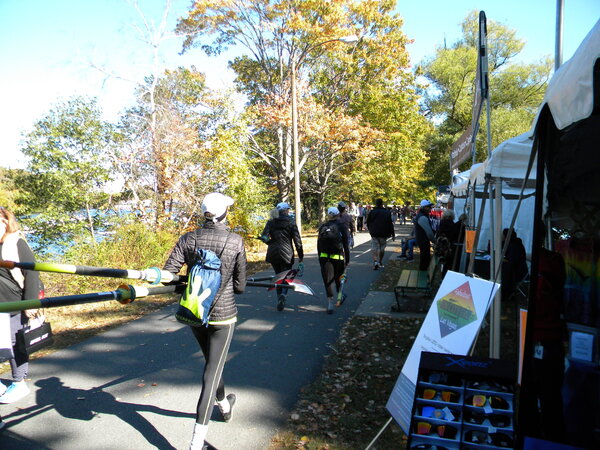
463,403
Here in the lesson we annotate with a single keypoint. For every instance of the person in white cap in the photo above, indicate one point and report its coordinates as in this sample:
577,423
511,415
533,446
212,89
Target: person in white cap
281,235
214,339
424,234
334,253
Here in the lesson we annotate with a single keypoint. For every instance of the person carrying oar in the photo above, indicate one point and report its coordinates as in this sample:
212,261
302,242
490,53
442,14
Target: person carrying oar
16,285
214,339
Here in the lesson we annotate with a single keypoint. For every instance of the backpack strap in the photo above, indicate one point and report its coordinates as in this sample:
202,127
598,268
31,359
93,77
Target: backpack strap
222,283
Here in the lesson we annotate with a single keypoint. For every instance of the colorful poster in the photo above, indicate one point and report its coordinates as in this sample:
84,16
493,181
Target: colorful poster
451,325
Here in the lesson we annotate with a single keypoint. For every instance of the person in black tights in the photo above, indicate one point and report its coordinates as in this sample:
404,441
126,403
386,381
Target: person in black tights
334,253
214,339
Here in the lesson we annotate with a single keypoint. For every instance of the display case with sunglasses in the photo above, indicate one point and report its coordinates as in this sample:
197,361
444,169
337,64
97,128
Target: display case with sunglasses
463,403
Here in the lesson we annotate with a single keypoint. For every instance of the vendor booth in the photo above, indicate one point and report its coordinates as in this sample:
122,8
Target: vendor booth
567,218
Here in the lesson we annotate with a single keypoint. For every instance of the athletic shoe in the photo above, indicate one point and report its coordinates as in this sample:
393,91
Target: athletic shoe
341,300
380,265
280,302
375,266
2,424
16,391
231,400
330,307
2,388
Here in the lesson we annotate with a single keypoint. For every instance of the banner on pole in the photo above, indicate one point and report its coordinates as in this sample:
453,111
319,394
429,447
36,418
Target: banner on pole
465,146
461,149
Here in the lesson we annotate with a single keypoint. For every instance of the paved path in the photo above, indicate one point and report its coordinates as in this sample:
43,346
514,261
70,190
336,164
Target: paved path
136,386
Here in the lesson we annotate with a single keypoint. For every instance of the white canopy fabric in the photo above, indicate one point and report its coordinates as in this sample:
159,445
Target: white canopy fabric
478,173
460,183
570,94
510,159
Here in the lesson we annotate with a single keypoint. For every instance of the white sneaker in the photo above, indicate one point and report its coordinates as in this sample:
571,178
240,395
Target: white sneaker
16,391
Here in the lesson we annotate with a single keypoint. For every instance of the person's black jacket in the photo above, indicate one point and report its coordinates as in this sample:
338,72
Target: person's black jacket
345,239
449,229
281,232
216,237
379,223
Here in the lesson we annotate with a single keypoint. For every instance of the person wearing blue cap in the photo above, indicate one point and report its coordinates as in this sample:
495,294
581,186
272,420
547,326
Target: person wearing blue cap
334,253
281,235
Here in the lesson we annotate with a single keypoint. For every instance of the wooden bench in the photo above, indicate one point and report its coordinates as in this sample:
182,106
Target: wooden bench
416,281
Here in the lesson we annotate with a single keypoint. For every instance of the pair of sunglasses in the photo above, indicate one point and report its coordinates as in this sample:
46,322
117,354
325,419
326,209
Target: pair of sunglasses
443,431
481,437
446,396
481,399
428,447
497,420
444,378
440,414
490,386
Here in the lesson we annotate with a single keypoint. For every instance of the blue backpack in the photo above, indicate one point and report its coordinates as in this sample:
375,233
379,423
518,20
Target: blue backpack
204,281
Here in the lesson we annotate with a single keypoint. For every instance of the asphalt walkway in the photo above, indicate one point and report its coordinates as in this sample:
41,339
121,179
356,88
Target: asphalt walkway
136,386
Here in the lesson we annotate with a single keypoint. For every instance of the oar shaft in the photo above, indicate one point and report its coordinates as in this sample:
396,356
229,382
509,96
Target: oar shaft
150,275
124,294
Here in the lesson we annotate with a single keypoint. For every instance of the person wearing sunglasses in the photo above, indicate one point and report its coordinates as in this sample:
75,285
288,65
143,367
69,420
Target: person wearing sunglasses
16,285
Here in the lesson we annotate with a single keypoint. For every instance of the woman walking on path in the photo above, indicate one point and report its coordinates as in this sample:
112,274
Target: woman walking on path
334,253
214,339
16,285
281,235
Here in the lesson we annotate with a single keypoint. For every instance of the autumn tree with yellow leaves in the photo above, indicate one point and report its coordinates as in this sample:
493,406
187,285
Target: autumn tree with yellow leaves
340,131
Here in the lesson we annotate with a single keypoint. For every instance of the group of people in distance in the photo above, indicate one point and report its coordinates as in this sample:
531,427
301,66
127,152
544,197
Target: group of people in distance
335,239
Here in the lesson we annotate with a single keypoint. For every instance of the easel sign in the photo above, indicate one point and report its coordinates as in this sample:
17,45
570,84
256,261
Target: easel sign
451,326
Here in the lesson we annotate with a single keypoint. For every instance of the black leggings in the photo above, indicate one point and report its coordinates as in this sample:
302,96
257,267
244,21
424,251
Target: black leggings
331,270
278,267
214,342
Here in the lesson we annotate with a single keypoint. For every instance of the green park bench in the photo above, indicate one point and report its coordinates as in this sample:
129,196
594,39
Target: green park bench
416,281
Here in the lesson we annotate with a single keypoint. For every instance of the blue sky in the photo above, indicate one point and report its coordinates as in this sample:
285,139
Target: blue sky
46,48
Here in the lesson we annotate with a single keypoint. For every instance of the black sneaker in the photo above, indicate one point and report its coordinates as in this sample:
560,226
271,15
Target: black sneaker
280,302
231,400
375,266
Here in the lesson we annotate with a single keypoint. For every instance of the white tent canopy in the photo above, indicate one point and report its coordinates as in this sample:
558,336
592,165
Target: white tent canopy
570,93
510,159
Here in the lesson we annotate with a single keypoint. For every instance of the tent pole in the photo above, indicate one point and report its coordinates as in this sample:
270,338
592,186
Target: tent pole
559,34
496,310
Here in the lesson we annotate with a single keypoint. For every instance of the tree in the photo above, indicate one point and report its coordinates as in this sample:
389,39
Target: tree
516,90
66,173
279,34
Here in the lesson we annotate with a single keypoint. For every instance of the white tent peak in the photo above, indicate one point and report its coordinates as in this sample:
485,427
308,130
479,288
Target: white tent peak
570,93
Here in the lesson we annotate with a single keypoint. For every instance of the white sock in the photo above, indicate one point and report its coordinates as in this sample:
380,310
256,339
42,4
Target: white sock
198,436
224,406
